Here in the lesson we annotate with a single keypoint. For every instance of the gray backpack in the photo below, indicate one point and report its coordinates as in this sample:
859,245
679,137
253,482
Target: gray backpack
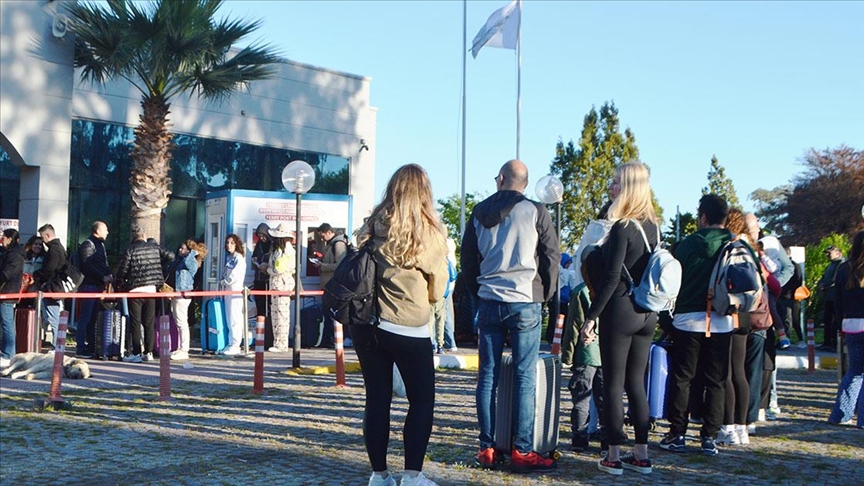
658,289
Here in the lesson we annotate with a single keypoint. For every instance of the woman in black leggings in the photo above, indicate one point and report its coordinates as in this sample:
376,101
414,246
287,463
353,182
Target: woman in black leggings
625,330
411,256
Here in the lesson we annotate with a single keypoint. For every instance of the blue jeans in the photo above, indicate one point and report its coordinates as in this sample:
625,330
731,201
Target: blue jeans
494,321
51,315
7,317
85,335
850,393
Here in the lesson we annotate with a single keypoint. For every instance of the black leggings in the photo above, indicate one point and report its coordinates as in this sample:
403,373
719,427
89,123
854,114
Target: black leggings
378,350
737,387
624,347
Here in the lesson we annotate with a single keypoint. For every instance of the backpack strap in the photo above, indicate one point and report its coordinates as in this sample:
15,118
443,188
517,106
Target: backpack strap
630,282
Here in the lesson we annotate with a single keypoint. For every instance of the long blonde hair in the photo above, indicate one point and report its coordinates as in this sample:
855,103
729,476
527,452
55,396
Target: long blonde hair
408,211
634,200
200,250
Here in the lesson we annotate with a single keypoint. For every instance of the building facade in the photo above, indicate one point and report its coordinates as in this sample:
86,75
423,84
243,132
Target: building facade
64,144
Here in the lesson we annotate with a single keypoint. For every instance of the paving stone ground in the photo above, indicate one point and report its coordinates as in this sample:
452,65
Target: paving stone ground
304,430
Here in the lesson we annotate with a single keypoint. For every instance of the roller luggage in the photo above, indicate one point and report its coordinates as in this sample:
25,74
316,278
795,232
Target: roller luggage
546,405
655,381
110,334
26,330
214,332
312,326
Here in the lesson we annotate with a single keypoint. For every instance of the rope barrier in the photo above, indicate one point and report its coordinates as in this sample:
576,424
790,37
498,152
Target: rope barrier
158,295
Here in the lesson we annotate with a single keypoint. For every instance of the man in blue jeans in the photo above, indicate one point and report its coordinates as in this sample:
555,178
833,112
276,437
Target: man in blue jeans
510,257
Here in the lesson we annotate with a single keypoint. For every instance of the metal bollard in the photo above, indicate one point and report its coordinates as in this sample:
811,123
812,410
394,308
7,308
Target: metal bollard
811,346
258,377
164,358
559,330
55,399
340,353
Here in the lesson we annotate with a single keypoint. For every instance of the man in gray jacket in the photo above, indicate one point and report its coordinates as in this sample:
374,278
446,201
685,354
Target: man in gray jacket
510,255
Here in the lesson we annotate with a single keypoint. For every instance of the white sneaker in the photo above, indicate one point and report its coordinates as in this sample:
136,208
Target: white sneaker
147,357
802,345
761,417
751,429
232,351
743,435
418,480
377,479
5,362
179,355
274,349
132,358
727,435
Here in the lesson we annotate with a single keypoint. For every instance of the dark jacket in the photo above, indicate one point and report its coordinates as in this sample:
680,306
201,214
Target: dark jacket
94,261
11,269
53,262
261,254
849,303
510,250
140,266
334,252
697,254
826,283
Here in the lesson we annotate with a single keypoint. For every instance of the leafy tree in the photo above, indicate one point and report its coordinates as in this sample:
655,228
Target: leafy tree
450,209
770,208
163,48
721,185
688,227
586,170
826,198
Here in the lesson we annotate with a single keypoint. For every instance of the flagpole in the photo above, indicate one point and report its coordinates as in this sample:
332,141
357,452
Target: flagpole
519,79
464,108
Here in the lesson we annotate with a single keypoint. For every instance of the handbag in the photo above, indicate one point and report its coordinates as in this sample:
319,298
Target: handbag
802,293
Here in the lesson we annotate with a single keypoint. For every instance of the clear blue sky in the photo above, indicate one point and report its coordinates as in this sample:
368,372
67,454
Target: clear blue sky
756,83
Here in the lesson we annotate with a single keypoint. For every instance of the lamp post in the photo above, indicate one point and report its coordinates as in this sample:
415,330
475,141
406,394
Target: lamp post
550,190
297,177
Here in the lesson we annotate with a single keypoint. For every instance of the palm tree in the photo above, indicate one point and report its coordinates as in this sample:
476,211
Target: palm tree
163,48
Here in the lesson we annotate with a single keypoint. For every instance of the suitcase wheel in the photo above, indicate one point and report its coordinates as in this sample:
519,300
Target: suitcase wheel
555,455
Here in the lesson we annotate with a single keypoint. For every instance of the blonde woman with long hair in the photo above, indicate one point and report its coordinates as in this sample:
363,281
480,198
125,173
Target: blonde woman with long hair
625,330
411,254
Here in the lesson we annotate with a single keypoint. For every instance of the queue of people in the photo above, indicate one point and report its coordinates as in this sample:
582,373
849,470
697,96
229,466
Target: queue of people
722,365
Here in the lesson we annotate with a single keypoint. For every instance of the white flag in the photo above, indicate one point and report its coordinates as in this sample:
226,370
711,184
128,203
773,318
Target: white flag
501,30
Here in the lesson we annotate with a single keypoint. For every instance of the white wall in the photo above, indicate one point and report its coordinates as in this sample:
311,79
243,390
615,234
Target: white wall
303,108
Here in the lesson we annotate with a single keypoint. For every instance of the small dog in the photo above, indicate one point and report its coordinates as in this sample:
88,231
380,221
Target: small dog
33,366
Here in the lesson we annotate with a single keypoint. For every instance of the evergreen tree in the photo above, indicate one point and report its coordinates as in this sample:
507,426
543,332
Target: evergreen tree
688,227
450,210
587,170
721,185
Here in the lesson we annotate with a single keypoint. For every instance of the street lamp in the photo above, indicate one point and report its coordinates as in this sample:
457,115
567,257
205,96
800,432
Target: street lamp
297,177
550,190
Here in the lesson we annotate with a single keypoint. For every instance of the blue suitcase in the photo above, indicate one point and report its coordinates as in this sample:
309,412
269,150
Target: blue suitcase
655,381
214,335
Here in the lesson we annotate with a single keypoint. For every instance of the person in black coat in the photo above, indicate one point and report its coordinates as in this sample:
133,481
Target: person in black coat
11,270
47,278
140,270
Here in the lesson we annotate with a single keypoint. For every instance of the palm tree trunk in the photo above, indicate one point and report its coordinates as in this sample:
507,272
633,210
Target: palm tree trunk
150,184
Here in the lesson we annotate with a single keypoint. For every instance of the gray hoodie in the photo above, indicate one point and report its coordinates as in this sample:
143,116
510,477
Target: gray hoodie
510,250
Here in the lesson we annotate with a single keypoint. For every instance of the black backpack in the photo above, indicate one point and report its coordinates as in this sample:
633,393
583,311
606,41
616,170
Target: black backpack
351,295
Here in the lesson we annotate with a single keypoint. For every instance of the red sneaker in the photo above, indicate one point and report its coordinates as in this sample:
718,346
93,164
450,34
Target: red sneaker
485,459
531,462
